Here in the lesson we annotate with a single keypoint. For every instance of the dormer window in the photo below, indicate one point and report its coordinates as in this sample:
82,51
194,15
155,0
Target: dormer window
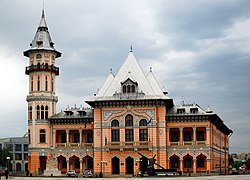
129,86
194,110
181,111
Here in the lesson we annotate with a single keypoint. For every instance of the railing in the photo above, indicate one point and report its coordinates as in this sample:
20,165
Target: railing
201,142
42,68
188,143
127,144
61,144
174,143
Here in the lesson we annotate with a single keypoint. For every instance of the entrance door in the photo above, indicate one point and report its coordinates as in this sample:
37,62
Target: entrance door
129,165
43,160
115,165
143,164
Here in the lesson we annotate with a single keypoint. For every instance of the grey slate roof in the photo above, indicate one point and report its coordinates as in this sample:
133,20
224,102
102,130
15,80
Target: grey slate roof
72,113
42,39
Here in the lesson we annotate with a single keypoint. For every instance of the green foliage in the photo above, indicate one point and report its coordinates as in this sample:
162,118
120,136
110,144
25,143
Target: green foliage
4,153
248,164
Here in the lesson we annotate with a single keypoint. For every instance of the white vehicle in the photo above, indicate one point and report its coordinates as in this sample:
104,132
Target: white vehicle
87,173
72,173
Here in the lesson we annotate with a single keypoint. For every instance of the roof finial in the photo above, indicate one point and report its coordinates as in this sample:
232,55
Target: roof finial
110,70
150,69
131,48
43,11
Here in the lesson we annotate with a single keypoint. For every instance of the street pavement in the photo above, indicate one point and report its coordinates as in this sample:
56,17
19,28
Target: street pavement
230,177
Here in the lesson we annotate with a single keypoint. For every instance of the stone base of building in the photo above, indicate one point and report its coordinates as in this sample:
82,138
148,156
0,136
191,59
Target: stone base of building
52,173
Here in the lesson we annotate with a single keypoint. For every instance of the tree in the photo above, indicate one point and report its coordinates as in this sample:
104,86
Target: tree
4,153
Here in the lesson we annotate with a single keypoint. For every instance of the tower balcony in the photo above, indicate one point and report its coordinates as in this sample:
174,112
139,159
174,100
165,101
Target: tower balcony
42,67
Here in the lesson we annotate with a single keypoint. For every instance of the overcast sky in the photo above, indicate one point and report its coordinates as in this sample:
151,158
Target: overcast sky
199,51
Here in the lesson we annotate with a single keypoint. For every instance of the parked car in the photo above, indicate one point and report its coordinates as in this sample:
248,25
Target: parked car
87,173
72,173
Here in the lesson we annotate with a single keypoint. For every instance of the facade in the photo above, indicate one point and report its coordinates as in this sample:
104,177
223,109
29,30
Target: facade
130,114
18,147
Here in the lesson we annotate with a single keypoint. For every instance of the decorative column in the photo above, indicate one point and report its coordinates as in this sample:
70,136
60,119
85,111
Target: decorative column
208,136
194,135
67,164
80,134
168,137
81,170
67,137
181,165
194,166
54,138
181,136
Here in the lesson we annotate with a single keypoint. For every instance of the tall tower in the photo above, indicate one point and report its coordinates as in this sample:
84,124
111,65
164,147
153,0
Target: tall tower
42,98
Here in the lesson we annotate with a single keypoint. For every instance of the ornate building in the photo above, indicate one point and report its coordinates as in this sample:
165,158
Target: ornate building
130,114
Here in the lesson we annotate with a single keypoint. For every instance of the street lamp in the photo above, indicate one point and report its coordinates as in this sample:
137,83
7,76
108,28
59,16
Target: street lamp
7,164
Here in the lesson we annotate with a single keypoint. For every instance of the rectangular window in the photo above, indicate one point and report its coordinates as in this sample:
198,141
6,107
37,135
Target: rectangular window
200,163
129,135
115,135
174,136
200,136
187,136
25,156
18,147
26,147
143,135
9,147
18,156
181,111
194,110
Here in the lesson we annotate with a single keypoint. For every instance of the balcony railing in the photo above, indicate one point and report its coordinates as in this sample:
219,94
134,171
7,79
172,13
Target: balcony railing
42,67
127,144
74,145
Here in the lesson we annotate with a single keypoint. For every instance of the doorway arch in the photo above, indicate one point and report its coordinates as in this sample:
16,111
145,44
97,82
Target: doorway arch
115,165
129,165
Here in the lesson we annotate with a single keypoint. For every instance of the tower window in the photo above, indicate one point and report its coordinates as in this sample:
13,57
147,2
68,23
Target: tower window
30,112
46,112
38,83
38,56
31,84
42,136
29,135
129,132
46,83
42,112
128,88
38,112
52,84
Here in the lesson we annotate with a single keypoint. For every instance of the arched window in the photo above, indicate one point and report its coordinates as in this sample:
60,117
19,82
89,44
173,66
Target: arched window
124,88
31,84
46,112
201,159
38,112
42,112
52,84
46,83
30,113
38,65
42,136
115,131
128,88
46,66
115,165
174,161
38,56
143,136
129,120
133,88
187,161
129,132
115,123
38,83
18,166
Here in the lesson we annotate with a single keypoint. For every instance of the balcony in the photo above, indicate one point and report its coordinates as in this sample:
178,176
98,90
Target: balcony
74,145
174,143
128,145
42,67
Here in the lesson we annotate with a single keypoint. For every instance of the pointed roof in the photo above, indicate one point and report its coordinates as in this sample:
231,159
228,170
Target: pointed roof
132,70
42,39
